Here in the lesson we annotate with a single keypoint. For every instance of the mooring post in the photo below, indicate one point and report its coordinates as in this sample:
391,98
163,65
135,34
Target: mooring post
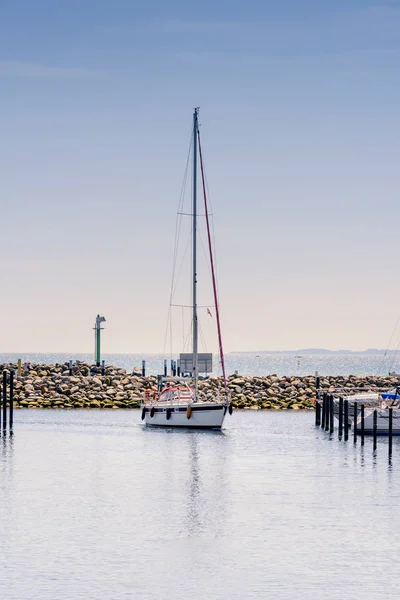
327,412
178,367
331,422
11,400
317,404
70,367
390,440
19,367
340,431
165,367
362,424
375,429
317,386
355,422
323,410
4,400
346,419
317,412
143,368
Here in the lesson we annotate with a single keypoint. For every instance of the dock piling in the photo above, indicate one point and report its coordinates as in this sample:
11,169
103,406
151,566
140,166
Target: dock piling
327,402
317,404
362,424
390,440
11,401
331,421
103,367
143,368
4,401
375,429
346,419
355,428
340,430
165,367
317,413
323,410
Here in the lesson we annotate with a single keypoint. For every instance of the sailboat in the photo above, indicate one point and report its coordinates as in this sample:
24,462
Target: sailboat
178,401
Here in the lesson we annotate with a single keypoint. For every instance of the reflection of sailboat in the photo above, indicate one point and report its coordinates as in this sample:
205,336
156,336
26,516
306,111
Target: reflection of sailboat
205,496
194,508
181,403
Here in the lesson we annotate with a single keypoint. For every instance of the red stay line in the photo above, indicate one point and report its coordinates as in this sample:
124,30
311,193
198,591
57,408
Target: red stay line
221,351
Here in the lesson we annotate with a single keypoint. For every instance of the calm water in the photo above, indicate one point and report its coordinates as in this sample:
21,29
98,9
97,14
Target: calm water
95,506
245,364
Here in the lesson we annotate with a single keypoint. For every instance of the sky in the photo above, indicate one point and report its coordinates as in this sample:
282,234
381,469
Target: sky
300,130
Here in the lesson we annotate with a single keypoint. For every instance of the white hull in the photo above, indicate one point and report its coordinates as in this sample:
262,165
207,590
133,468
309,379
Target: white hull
382,423
203,415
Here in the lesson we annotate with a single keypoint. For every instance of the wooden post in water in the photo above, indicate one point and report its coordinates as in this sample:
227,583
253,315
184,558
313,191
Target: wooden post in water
317,412
331,422
178,367
327,413
165,367
19,367
326,425
11,401
362,425
4,400
340,431
355,422
323,410
103,367
70,367
375,429
143,368
317,404
346,419
390,440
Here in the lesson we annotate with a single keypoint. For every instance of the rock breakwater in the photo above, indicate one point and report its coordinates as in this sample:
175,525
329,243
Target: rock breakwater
52,386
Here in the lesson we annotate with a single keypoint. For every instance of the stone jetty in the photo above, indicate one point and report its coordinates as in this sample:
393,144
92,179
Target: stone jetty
52,386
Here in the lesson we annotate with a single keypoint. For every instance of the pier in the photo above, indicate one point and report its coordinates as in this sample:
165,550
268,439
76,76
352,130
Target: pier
352,416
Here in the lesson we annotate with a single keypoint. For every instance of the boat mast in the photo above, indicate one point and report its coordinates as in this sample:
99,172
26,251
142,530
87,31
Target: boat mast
194,268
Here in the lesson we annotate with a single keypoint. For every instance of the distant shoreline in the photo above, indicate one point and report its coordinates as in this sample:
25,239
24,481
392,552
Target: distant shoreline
312,351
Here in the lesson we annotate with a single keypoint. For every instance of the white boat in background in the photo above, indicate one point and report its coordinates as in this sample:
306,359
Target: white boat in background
382,424
182,403
379,401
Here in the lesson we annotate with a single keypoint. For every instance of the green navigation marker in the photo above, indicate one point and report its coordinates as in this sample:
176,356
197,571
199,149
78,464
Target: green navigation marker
97,330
